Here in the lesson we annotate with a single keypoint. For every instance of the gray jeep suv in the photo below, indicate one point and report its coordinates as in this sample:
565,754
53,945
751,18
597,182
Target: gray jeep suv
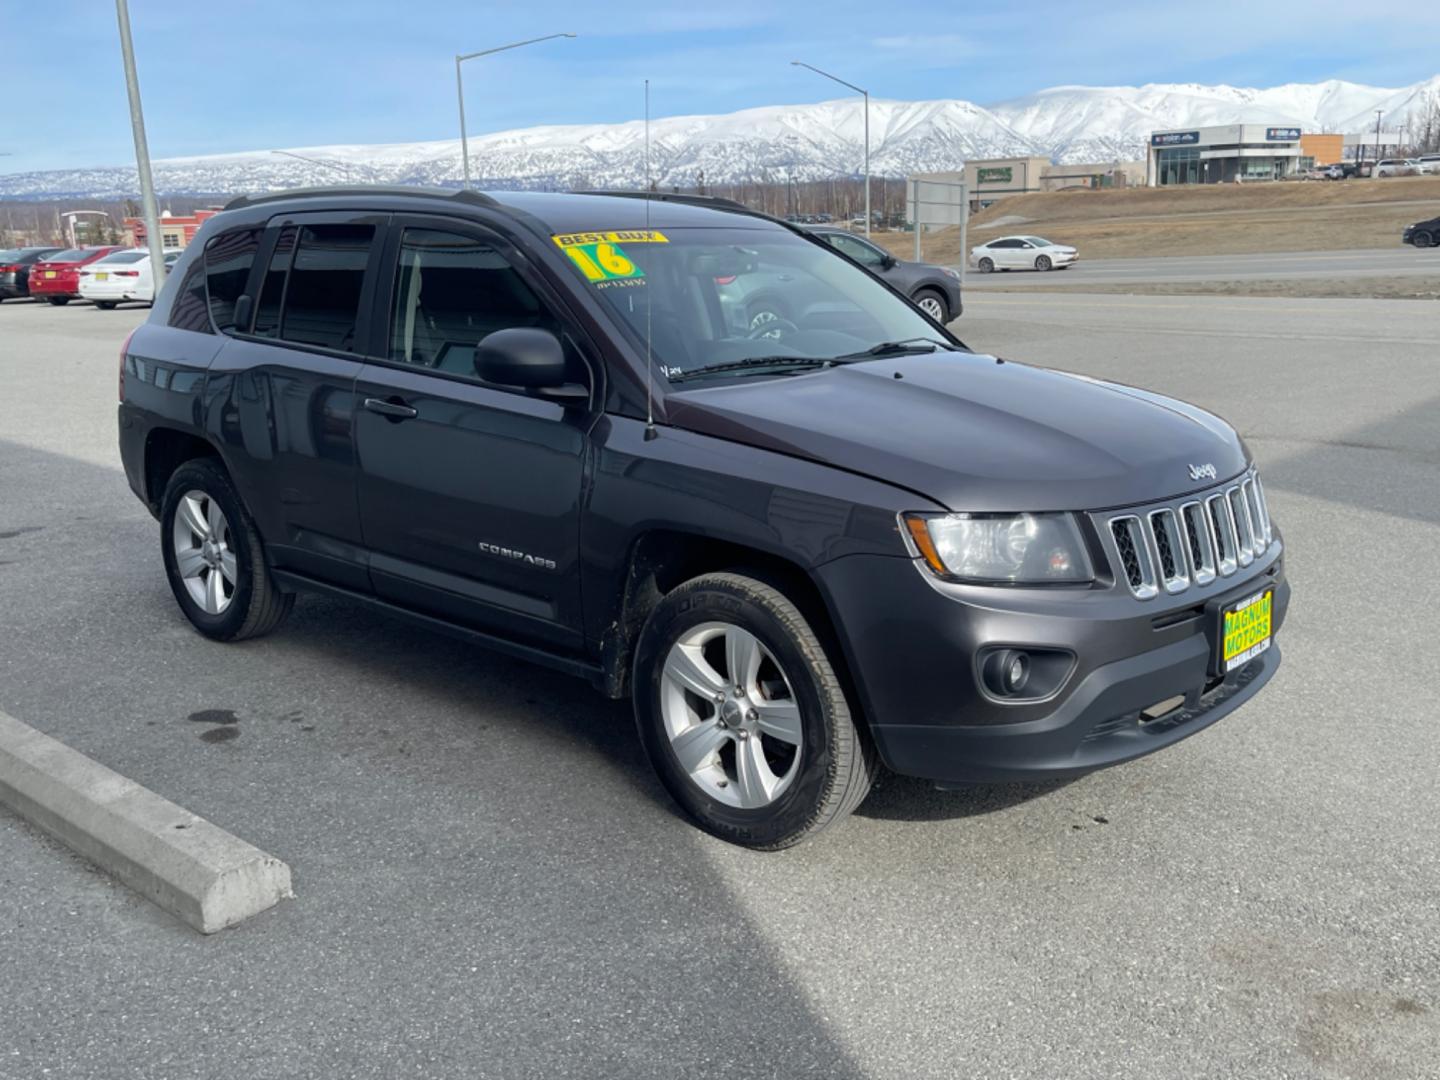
806,549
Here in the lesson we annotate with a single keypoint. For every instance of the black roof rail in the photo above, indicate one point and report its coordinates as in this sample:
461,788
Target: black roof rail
716,201
475,198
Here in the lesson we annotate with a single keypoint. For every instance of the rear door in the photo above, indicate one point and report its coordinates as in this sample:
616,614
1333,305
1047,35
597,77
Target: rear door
282,391
469,493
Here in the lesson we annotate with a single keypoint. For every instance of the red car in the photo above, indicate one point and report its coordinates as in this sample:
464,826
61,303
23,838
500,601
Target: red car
57,278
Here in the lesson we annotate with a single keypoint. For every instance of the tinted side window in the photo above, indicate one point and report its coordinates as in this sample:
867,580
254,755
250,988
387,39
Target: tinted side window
450,292
858,250
189,310
227,268
272,291
322,297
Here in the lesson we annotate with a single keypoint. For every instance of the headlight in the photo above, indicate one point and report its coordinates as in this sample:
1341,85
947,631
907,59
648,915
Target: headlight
1007,549
950,273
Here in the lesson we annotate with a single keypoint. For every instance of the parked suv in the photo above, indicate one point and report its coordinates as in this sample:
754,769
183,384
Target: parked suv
57,277
15,264
802,549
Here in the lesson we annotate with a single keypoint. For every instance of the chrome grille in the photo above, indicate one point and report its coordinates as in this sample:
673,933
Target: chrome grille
1177,546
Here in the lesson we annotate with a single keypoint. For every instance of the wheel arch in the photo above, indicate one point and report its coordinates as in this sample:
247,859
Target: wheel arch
166,449
661,559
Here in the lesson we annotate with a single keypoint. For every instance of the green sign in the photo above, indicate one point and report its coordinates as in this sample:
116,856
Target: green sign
994,176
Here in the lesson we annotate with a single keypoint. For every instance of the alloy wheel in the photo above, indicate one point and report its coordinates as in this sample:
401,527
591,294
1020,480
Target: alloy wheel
731,716
764,317
933,307
204,555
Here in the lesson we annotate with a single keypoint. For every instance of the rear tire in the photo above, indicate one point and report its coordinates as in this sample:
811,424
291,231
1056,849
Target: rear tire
58,301
1042,263
219,538
814,772
104,305
1423,239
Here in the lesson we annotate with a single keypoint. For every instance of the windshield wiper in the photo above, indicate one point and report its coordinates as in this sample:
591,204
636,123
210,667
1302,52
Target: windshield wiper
754,362
899,348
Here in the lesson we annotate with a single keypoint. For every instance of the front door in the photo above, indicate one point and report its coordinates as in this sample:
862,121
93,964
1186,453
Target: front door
469,493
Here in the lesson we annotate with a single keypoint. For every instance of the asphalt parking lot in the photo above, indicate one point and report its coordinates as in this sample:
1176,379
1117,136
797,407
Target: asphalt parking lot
490,883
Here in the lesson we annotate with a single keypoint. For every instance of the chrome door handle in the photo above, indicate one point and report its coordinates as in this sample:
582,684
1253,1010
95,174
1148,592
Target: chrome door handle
394,409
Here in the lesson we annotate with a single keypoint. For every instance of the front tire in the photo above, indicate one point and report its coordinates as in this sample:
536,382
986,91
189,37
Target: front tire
742,715
933,304
214,557
987,266
1422,239
1042,262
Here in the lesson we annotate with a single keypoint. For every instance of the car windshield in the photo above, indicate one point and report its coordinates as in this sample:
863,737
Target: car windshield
73,255
124,257
750,301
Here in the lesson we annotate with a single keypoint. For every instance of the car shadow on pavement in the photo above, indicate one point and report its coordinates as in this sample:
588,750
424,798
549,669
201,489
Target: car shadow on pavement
908,798
481,886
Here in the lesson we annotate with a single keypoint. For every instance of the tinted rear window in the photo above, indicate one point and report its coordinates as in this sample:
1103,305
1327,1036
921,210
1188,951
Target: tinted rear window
123,257
228,259
272,291
322,296
73,255
189,310
9,255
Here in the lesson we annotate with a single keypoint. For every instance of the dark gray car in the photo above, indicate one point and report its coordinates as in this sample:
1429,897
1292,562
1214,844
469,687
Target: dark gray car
935,289
803,549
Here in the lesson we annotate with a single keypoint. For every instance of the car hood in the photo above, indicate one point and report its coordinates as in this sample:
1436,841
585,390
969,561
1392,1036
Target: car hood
975,433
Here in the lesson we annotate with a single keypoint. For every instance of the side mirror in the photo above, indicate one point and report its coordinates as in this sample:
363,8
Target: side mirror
529,359
888,262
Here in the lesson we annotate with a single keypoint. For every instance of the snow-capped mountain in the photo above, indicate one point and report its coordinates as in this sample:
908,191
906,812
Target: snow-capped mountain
1069,124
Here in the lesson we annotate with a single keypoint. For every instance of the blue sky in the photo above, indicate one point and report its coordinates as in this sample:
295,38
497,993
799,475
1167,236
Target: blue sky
257,74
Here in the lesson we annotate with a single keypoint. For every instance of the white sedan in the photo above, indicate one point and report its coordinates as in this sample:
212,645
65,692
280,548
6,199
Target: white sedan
1021,253
119,277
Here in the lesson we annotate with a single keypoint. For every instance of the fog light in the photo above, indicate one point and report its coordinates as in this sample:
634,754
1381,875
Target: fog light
1006,671
1016,672
1016,675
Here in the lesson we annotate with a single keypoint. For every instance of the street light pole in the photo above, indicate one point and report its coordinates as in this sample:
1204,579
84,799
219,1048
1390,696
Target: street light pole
142,149
1378,114
460,89
866,95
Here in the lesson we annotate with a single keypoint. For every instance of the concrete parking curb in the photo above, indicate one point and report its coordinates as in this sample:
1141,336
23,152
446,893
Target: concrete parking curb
191,868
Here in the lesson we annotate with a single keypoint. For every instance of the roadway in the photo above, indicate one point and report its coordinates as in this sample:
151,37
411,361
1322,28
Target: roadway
1401,261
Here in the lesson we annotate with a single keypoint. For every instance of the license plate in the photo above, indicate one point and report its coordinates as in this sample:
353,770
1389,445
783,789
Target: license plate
101,275
49,273
1245,630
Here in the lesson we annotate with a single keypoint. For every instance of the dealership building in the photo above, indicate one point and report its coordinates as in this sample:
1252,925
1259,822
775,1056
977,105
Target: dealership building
1220,155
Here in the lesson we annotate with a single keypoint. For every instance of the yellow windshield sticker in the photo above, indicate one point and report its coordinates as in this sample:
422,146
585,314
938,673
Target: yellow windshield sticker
601,258
621,236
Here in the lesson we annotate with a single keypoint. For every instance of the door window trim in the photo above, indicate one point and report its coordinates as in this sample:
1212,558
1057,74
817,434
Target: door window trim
364,318
529,274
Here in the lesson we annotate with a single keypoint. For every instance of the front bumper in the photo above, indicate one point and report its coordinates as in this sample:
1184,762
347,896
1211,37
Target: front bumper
911,643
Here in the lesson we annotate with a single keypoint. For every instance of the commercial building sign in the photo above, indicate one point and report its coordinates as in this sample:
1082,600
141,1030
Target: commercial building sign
1174,138
1282,134
994,176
